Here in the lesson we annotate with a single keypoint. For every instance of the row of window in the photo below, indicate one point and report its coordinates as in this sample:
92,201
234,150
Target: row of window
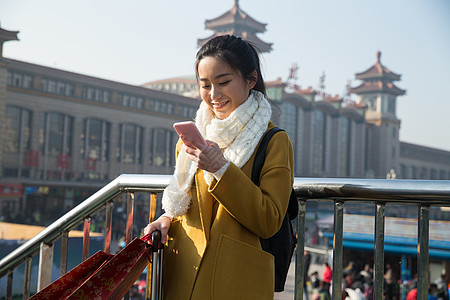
424,154
413,172
56,139
64,88
174,86
377,103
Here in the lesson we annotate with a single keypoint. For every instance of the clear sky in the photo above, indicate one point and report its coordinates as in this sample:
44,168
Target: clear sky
139,41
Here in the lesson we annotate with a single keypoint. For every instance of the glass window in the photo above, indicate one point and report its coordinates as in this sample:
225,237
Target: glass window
159,146
97,141
12,130
423,173
69,90
9,80
55,133
61,88
55,86
17,130
26,129
17,79
391,105
414,172
27,81
371,102
433,174
345,140
170,108
403,172
162,147
157,105
289,121
58,134
94,139
130,144
318,163
51,86
97,94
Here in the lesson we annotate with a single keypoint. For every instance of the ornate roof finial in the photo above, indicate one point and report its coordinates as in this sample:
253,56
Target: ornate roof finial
378,56
236,3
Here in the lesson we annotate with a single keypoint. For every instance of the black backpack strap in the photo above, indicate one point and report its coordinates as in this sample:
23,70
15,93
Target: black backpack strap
282,244
260,155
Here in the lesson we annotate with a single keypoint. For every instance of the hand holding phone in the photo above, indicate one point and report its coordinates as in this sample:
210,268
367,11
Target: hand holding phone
189,134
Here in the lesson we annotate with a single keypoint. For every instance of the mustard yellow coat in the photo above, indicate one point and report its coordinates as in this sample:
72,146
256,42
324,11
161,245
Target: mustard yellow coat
214,250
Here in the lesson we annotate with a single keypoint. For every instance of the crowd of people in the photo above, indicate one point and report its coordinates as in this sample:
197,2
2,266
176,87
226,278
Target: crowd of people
358,284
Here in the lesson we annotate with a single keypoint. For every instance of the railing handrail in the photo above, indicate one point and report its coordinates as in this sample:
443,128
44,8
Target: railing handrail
435,192
405,191
121,184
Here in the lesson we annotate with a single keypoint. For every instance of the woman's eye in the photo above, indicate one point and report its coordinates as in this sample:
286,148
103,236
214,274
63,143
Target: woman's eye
205,86
225,82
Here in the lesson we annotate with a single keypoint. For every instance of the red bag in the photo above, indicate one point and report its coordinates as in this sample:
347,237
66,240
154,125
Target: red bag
71,281
113,279
102,276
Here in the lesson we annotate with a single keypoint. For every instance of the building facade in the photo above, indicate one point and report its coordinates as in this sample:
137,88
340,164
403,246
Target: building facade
328,137
64,135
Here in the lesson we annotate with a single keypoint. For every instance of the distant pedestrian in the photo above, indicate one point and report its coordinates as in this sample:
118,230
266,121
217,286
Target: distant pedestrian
412,294
324,290
327,273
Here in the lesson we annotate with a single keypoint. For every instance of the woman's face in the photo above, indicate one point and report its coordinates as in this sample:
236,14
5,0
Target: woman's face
222,88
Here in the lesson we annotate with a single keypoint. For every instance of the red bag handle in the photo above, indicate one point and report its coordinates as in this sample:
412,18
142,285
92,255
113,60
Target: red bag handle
153,238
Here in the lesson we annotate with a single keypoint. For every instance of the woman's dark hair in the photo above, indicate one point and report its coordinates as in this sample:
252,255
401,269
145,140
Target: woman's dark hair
238,54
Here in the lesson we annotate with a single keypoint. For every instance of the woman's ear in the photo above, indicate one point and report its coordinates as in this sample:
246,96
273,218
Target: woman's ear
253,79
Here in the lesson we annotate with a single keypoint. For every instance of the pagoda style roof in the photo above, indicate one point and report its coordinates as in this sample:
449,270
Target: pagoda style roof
378,71
357,104
248,36
275,83
378,86
235,17
308,91
335,98
6,35
239,23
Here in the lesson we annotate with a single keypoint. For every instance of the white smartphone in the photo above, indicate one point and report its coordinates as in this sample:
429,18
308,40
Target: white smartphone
189,130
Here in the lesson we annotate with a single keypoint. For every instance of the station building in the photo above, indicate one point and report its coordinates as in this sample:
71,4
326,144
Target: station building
64,135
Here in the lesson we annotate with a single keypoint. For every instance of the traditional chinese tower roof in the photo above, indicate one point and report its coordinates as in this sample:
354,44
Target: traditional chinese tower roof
239,23
5,36
377,79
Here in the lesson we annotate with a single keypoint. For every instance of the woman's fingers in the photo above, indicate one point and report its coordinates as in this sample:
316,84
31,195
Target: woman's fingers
210,158
162,224
164,230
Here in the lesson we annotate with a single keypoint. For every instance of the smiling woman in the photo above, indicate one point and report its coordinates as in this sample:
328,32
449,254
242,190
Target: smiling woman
214,214
222,89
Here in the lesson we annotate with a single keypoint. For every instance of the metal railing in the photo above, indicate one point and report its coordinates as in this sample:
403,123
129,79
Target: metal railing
421,193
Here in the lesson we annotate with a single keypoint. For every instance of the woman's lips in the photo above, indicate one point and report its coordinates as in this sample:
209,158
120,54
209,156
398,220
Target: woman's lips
220,104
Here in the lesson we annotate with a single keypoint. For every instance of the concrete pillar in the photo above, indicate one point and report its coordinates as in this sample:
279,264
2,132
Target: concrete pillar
3,82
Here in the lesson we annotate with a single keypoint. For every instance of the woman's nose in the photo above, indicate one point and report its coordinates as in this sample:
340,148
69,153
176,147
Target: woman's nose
215,93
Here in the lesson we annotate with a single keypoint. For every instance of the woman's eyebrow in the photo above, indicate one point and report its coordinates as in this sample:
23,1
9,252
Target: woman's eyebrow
217,77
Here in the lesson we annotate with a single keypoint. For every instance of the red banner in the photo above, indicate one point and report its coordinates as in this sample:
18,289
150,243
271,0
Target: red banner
12,190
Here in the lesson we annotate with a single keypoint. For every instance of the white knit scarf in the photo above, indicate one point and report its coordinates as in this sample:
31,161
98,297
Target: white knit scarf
237,136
